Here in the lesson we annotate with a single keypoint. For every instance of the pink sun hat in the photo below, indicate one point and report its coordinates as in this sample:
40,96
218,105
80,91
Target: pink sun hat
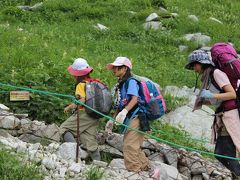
120,61
80,67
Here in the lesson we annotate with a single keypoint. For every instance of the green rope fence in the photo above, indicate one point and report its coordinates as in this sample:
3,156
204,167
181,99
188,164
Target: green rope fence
178,136
110,118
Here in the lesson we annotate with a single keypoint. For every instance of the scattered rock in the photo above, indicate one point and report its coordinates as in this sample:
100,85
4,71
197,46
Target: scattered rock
215,20
31,8
193,18
199,38
153,25
100,27
152,17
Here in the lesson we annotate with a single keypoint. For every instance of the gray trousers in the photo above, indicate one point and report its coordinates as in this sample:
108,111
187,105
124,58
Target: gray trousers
87,126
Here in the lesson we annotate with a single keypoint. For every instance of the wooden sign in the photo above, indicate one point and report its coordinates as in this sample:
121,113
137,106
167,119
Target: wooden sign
19,96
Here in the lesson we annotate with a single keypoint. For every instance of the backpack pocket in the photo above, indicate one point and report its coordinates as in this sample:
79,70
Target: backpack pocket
154,109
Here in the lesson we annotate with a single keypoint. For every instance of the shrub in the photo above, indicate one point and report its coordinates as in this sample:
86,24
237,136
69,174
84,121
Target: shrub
94,173
13,11
13,169
173,102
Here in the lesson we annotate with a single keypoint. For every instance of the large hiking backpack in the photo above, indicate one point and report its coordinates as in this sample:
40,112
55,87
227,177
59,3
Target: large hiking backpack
226,59
151,102
98,97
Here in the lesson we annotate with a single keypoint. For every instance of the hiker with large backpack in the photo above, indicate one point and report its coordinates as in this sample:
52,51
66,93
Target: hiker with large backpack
127,111
88,123
218,91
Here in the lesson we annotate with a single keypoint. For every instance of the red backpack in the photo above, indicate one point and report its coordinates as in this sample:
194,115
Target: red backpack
226,59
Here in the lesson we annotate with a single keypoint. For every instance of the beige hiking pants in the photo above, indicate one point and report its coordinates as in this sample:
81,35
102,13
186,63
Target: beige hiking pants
87,126
134,158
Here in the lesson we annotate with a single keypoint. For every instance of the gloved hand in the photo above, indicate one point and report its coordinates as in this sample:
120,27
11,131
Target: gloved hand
206,94
121,116
109,127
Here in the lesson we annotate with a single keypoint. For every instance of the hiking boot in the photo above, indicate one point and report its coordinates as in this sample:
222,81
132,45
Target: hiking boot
95,155
155,173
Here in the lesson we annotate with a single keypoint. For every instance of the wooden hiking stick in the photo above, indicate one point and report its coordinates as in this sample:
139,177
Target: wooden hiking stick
78,135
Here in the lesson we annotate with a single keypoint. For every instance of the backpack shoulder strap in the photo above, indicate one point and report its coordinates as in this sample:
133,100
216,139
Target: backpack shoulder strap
92,80
126,84
95,80
88,79
213,81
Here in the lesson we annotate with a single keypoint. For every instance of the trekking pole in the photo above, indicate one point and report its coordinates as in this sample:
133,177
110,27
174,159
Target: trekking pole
78,135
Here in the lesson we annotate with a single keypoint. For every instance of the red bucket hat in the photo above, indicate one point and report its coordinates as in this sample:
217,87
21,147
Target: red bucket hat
79,67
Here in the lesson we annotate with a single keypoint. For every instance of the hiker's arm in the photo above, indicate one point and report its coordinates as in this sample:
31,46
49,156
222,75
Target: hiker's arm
80,98
69,107
122,115
73,105
115,113
132,103
129,106
80,92
229,93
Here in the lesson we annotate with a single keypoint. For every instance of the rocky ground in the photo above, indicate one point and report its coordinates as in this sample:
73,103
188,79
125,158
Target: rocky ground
57,160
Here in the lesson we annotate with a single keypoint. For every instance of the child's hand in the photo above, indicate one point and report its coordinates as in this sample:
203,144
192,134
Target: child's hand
78,97
206,94
66,109
121,116
69,107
